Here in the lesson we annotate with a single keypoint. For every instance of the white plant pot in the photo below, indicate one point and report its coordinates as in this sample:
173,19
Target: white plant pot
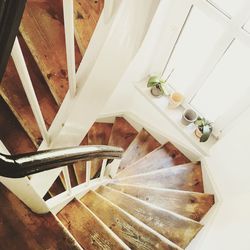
189,116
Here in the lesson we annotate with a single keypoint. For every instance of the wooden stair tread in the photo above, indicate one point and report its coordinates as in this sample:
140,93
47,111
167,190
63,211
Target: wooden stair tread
122,133
13,93
85,228
163,157
80,166
133,234
42,29
22,229
57,187
98,134
189,204
177,229
143,144
12,134
186,177
86,15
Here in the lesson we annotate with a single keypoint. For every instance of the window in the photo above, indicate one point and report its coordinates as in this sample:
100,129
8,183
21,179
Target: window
196,43
227,83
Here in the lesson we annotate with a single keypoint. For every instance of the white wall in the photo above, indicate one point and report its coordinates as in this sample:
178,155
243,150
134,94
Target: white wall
230,170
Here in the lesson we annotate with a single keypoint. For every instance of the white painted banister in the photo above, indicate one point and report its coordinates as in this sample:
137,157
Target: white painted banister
88,171
104,164
68,12
67,179
22,70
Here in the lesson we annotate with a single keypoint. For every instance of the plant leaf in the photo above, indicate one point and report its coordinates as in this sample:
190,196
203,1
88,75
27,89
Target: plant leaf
205,133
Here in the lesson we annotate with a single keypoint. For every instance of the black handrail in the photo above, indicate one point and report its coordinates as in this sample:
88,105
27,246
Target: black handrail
17,166
11,12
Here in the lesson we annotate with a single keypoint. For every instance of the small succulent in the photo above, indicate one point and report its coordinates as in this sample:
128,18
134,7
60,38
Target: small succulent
205,127
156,81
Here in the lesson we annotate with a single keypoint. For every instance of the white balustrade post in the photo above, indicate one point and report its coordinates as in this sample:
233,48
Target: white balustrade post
68,13
23,73
67,179
88,171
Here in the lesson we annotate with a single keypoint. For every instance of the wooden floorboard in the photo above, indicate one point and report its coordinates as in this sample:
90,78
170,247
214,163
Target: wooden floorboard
187,177
143,144
13,93
85,228
22,229
43,31
134,235
189,204
12,134
179,230
98,134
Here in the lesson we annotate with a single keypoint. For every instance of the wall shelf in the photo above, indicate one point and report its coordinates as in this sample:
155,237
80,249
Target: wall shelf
174,116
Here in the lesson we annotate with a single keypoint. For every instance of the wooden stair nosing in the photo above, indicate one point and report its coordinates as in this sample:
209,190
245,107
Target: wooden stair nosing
86,228
177,228
193,205
173,174
157,242
157,159
143,144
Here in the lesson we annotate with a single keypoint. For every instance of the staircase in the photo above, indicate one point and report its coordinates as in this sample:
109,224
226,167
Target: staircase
155,198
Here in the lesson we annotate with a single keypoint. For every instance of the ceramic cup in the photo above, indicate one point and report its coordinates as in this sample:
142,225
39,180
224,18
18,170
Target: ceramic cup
175,100
189,116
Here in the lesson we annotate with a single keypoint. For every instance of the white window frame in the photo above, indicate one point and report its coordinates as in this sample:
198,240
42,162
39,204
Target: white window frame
233,29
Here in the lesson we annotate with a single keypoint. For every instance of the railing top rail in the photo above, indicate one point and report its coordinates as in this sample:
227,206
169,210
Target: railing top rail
17,166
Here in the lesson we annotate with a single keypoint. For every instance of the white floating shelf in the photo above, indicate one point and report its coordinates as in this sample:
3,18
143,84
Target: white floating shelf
174,116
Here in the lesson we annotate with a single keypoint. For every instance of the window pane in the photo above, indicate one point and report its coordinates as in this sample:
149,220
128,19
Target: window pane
230,7
227,84
193,48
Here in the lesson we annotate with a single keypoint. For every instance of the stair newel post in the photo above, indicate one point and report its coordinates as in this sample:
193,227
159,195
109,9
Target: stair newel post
67,179
88,171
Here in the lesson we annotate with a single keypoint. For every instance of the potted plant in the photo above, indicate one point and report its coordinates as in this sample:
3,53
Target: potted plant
156,85
204,129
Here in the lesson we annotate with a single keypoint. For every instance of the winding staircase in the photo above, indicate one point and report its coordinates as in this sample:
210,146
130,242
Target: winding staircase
154,200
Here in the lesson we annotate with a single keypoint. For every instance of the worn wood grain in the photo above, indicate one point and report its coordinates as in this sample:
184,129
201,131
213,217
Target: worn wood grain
22,229
85,228
143,144
57,187
179,230
163,157
86,16
186,177
13,93
80,166
122,133
134,235
189,204
12,134
43,31
98,134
